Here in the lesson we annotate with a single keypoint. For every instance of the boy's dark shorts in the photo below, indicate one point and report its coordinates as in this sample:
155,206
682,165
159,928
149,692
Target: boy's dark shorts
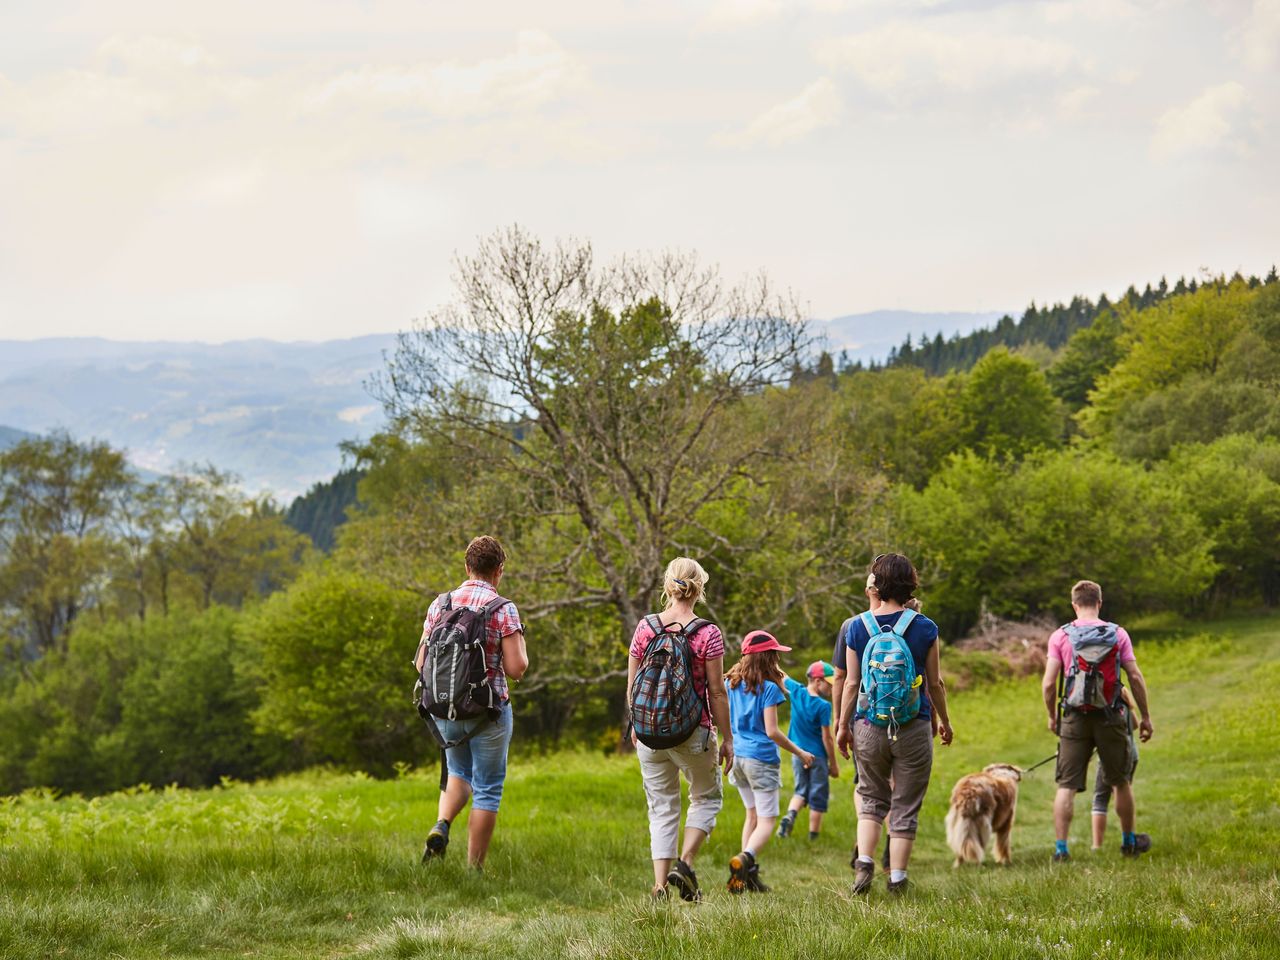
1083,733
813,784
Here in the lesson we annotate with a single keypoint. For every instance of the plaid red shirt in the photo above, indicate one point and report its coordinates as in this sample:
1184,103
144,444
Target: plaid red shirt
504,622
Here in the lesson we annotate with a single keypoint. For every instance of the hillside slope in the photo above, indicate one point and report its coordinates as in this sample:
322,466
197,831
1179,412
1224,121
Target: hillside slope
325,864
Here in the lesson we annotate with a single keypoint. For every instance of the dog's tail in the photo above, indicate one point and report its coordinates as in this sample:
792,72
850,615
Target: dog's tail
964,836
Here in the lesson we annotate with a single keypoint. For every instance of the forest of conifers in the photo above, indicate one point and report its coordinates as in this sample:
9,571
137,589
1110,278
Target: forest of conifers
599,421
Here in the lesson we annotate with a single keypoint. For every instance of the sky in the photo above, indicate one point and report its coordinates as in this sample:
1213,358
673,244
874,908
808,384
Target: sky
308,169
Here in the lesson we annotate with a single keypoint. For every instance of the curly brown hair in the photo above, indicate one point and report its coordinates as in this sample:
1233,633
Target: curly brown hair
485,555
754,669
896,578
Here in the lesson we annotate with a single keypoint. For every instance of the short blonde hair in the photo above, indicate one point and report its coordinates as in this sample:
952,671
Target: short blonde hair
1086,593
684,579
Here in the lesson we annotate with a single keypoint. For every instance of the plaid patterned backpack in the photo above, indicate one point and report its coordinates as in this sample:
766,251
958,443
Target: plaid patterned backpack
665,707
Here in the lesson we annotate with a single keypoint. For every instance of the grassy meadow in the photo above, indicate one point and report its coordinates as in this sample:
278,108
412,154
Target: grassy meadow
326,865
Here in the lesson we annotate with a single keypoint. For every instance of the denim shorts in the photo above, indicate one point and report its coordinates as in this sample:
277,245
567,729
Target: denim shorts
813,784
482,760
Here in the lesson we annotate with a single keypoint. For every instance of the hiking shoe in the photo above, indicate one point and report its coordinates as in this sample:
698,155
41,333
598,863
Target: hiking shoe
785,825
1060,856
1141,844
754,883
863,871
740,865
813,835
898,887
437,841
684,881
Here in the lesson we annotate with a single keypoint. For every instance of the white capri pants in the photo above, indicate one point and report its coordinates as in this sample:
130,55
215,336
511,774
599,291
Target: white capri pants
661,769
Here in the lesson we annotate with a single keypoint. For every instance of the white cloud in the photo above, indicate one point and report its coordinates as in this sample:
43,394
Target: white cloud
538,71
1258,38
909,62
1074,101
1210,122
817,105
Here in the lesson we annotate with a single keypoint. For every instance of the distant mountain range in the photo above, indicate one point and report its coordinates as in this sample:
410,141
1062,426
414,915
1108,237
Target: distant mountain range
272,412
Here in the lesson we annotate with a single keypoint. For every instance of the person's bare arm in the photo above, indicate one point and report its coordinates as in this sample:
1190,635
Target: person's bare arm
938,693
829,745
848,699
774,733
1139,685
837,691
515,660
718,704
1049,690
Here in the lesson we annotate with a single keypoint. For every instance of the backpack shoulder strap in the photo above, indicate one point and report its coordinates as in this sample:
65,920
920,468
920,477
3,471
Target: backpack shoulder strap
494,605
446,601
869,621
904,621
693,626
655,624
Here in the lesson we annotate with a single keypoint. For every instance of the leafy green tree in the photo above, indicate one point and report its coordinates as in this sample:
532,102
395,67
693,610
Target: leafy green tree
56,498
1233,485
1007,406
1089,355
333,654
231,546
1187,336
1012,538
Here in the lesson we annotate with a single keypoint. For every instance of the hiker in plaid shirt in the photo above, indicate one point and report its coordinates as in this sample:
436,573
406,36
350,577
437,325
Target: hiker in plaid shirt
478,768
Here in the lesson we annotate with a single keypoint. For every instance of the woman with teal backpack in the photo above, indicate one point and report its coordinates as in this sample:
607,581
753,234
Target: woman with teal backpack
894,686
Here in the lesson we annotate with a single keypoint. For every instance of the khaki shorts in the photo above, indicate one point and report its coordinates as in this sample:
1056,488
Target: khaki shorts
893,774
1083,733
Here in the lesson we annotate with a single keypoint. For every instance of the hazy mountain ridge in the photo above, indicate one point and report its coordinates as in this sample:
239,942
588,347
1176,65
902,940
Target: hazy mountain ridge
271,411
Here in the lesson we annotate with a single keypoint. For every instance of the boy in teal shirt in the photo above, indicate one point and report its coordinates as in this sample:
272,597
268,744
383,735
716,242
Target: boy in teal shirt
811,730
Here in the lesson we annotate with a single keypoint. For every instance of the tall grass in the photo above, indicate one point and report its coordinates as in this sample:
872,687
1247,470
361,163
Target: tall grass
327,865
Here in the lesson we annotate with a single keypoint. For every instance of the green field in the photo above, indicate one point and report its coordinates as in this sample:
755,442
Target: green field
327,865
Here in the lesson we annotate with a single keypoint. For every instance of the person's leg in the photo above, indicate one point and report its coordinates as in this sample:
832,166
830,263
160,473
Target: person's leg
766,784
748,827
1125,807
1063,808
1101,801
875,766
455,796
819,796
1075,749
488,775
661,779
912,767
706,793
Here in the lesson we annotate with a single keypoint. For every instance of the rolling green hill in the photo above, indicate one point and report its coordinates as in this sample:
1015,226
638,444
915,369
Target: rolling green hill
326,865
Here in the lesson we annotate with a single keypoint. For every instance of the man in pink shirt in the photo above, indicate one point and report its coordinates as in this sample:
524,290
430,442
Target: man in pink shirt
1090,654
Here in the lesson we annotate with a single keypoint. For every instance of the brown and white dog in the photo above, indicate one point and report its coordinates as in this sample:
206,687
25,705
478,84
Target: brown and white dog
982,804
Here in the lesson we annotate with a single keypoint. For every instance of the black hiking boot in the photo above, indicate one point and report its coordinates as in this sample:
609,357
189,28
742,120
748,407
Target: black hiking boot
1061,856
740,865
1141,844
899,887
863,872
684,881
437,841
785,825
754,883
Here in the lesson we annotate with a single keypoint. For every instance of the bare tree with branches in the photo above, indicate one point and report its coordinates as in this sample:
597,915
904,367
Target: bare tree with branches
609,395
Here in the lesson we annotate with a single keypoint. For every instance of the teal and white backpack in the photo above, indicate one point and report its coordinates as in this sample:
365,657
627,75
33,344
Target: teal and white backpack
890,694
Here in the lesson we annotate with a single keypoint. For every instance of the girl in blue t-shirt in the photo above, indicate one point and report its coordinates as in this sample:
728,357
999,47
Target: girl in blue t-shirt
754,687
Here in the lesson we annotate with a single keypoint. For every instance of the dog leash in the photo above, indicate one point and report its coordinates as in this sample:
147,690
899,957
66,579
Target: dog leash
1054,756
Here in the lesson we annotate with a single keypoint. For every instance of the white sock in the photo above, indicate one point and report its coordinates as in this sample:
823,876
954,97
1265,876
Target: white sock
862,858
897,876
750,851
